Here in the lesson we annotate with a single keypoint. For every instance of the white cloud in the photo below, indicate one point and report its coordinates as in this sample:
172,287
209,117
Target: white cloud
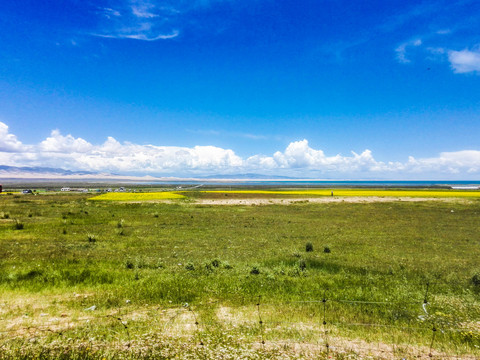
9,142
108,13
298,158
144,10
66,144
401,50
444,32
136,19
146,20
464,61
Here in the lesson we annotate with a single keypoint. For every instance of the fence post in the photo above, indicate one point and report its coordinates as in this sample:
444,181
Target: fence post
124,326
260,319
434,331
425,299
197,325
324,301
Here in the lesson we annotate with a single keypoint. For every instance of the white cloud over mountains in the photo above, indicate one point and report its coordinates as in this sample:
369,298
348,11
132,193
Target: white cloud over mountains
297,159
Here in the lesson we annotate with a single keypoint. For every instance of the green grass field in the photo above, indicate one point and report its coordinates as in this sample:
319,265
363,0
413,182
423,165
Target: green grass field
106,279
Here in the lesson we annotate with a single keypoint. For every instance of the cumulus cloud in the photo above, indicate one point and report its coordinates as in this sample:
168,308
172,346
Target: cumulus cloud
464,61
9,142
298,158
66,144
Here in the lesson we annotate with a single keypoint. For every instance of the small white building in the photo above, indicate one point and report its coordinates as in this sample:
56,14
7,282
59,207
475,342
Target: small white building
65,189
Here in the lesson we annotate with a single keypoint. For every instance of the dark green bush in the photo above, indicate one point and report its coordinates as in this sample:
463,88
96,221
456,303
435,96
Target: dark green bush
476,279
255,270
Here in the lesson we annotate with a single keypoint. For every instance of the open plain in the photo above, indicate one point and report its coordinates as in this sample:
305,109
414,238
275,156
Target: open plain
273,275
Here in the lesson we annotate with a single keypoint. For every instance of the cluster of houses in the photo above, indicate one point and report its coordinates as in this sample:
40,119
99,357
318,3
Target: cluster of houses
73,189
120,189
66,188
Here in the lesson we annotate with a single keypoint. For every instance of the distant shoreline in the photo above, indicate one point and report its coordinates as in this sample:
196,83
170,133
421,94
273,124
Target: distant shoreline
181,183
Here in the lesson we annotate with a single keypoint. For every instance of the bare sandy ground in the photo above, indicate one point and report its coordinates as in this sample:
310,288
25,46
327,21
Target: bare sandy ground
325,199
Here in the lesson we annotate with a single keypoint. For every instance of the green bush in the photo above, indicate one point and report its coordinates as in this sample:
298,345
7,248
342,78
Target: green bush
302,265
255,270
216,263
476,279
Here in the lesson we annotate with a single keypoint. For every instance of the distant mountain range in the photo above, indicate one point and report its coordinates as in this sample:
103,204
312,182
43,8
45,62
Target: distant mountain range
248,176
5,170
37,172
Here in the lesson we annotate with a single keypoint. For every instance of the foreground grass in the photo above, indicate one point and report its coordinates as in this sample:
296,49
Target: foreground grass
165,278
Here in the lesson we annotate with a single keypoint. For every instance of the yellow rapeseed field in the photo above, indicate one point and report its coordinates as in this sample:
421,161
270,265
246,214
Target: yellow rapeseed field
126,196
360,193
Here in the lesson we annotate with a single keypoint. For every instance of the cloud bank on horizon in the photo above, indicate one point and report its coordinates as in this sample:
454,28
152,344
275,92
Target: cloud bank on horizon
298,159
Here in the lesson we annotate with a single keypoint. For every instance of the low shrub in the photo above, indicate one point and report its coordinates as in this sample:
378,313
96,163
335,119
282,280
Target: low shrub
302,265
255,270
216,263
18,225
190,266
476,279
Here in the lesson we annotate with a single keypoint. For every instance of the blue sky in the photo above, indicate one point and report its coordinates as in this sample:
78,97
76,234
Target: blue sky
323,89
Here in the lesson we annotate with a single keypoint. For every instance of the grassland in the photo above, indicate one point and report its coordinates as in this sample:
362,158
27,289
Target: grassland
114,279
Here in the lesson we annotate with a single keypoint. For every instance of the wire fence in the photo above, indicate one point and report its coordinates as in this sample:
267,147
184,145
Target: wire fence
379,329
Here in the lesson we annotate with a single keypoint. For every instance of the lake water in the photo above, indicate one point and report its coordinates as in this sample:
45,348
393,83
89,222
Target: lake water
325,183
